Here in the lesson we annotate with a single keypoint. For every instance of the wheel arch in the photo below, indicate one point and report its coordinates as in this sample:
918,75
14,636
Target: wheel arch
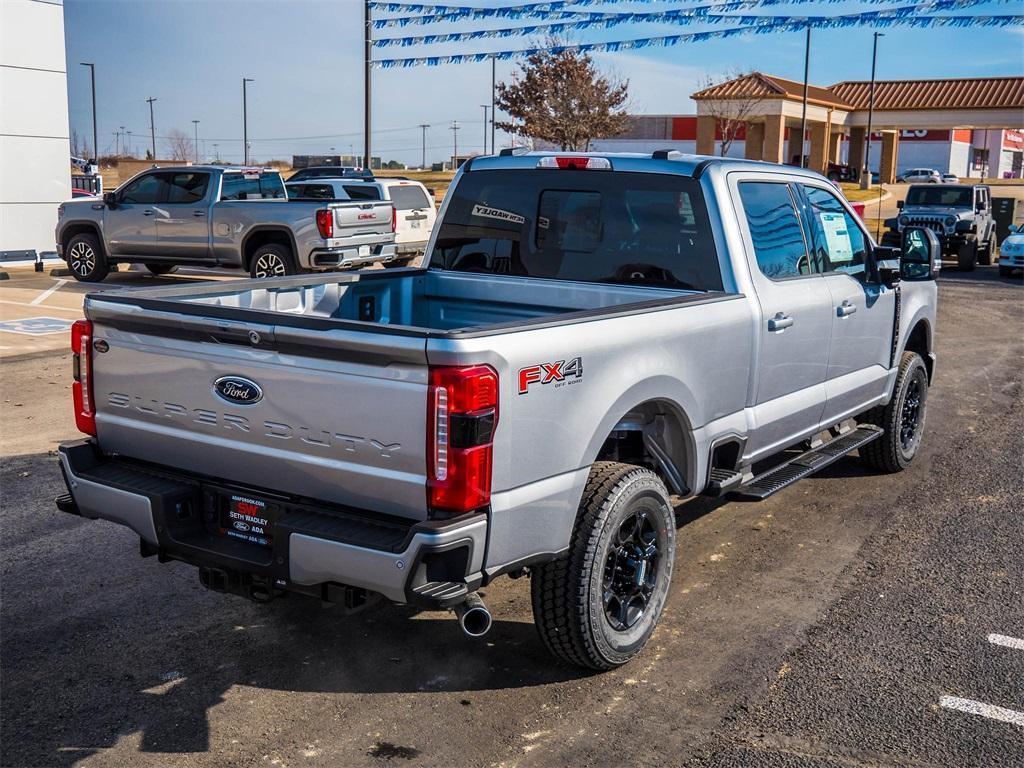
654,430
264,234
73,228
919,340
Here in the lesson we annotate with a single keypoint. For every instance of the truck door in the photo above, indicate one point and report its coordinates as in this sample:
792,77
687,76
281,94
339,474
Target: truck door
795,322
130,228
182,220
862,311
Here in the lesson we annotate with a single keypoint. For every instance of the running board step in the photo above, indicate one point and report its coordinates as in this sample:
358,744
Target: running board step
809,462
440,594
722,481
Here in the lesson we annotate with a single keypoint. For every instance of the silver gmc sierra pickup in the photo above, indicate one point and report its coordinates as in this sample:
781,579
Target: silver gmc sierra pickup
594,334
212,215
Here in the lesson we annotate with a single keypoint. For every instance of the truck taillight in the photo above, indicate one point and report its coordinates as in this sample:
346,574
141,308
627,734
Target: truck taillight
394,219
81,348
325,223
576,163
462,413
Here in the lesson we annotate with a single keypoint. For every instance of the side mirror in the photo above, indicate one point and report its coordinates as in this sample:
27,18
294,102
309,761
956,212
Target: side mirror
899,204
110,199
920,254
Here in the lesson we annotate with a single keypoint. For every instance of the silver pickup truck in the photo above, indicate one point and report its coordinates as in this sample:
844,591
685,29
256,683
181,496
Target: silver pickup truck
593,335
210,215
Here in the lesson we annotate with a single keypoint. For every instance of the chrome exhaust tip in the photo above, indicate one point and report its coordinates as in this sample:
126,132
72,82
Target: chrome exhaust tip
474,618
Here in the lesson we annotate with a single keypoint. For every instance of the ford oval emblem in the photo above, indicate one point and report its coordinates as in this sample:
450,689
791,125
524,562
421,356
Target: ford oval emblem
238,390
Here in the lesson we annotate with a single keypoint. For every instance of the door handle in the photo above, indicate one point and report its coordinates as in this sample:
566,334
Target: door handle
779,322
845,309
197,214
148,212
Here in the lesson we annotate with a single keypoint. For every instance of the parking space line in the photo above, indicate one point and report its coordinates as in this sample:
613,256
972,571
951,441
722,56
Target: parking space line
48,292
990,711
48,306
1010,642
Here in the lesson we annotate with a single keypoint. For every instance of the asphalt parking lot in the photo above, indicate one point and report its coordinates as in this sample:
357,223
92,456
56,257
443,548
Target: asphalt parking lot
854,619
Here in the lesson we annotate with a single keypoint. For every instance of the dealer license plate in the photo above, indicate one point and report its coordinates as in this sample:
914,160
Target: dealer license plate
247,519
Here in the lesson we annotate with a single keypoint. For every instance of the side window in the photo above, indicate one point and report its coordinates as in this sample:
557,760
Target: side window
186,187
144,190
839,243
775,229
362,191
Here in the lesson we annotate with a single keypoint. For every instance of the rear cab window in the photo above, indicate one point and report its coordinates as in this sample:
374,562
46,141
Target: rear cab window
252,185
591,226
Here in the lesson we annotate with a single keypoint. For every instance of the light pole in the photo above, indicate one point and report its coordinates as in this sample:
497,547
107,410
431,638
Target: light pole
129,135
423,130
486,107
152,127
196,124
216,152
803,116
95,140
123,148
245,121
455,142
865,175
367,61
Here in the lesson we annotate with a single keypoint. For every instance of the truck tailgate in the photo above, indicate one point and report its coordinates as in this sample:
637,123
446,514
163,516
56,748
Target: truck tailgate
365,217
340,415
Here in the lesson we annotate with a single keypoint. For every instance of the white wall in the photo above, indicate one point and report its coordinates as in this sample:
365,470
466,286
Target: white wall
960,158
34,147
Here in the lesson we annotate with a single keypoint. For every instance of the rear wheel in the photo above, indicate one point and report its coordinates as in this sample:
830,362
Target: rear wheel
162,269
85,258
987,255
598,606
902,418
272,260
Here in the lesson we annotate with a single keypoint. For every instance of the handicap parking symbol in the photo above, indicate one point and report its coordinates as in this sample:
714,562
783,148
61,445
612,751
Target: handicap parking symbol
36,326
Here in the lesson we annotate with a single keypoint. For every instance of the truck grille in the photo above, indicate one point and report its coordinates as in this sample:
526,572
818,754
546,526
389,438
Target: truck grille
934,224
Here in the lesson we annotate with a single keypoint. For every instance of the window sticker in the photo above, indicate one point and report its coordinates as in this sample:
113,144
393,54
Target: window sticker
497,213
837,237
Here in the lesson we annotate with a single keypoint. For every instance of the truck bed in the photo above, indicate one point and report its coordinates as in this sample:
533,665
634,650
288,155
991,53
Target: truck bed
412,302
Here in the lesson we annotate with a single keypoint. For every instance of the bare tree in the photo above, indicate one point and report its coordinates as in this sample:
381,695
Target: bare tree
180,145
732,111
560,96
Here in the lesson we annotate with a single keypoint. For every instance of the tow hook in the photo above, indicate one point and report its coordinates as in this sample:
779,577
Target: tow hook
474,618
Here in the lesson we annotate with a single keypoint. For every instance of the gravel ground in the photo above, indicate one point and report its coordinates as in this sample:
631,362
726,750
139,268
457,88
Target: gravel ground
818,628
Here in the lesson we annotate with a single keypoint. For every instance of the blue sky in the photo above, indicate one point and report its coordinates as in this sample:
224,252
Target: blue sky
306,59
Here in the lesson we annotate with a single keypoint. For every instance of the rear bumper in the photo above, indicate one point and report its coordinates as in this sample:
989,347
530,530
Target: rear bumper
344,257
411,247
315,547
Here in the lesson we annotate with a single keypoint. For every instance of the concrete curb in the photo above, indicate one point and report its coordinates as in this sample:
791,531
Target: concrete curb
61,273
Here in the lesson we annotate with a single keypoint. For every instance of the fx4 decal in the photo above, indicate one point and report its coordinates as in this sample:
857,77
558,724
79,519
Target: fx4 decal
562,372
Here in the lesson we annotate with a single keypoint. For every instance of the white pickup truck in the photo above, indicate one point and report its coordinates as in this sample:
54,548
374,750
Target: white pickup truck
211,215
593,334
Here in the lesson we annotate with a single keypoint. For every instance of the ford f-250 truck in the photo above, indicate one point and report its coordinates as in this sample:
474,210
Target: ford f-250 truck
593,334
211,215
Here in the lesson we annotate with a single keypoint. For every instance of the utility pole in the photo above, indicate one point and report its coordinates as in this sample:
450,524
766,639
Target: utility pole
803,117
129,140
865,175
367,62
245,121
95,140
455,141
123,147
117,138
423,130
196,124
216,152
152,127
486,107
494,89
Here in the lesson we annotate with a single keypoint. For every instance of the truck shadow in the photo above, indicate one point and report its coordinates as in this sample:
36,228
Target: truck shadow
100,646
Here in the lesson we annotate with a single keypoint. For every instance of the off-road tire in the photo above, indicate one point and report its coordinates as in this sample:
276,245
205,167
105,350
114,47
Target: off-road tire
162,269
891,452
85,258
272,260
987,255
967,257
569,605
